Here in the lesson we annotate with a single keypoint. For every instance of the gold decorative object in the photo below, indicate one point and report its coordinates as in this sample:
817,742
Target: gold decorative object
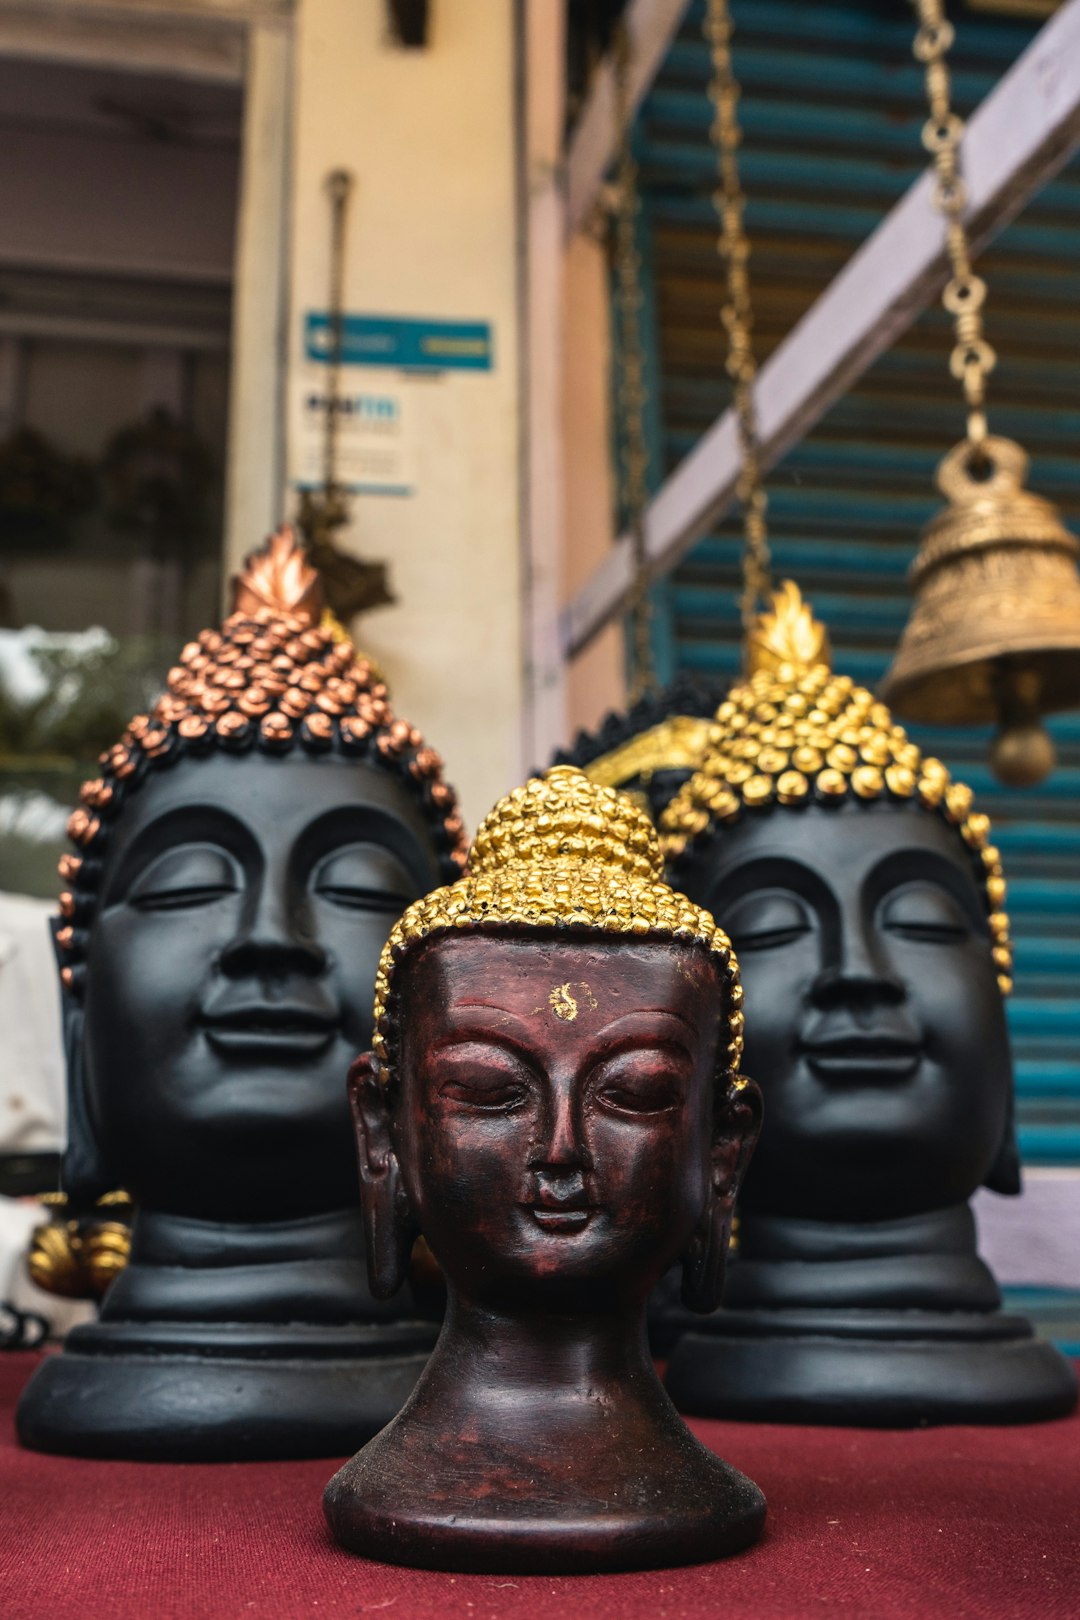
78,1258
995,631
794,733
560,853
275,675
676,743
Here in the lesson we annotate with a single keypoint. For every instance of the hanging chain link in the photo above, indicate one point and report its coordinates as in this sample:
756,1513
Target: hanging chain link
972,358
737,314
631,393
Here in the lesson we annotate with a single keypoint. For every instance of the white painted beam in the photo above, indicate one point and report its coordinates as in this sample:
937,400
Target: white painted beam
1023,132
651,25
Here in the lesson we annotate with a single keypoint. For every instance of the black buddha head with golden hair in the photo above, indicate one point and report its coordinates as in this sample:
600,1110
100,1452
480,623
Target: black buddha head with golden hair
866,903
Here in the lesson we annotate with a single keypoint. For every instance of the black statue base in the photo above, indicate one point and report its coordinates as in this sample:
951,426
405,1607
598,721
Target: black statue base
224,1343
889,1325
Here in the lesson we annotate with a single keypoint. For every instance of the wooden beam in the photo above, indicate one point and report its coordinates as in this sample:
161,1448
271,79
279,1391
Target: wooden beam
1023,132
255,470
180,47
137,11
652,25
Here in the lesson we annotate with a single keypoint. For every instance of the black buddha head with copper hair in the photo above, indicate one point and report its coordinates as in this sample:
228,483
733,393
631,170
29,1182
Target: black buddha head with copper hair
866,902
240,861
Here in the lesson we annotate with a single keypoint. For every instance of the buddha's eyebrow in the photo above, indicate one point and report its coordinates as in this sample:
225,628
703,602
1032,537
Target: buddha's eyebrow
654,1012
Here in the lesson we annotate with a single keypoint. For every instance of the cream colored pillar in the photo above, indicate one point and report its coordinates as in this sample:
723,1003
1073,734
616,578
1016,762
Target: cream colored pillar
429,136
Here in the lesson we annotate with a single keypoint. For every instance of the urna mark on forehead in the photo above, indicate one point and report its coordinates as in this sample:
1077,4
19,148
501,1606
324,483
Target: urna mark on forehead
795,735
275,681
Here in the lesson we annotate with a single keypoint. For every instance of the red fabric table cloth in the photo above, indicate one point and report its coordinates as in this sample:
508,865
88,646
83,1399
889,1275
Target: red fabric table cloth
954,1522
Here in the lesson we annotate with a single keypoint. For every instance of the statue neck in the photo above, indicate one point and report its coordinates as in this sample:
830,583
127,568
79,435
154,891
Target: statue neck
919,1262
187,1270
560,1373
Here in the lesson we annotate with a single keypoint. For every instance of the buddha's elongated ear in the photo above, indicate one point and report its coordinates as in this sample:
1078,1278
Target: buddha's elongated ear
1004,1175
736,1127
387,1226
85,1175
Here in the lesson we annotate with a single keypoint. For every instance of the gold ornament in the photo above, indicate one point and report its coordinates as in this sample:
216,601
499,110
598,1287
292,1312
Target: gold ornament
78,1258
852,748
995,631
677,743
560,854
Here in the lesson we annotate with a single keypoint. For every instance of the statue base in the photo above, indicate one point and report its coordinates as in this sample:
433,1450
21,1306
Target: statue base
885,1325
229,1344
571,1462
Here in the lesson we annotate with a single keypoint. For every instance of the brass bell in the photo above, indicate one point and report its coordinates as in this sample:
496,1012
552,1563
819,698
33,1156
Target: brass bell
995,631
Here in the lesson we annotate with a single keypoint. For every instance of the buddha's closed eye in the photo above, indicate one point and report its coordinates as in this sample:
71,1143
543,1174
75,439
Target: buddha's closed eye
767,920
924,912
363,877
185,877
641,1082
478,1076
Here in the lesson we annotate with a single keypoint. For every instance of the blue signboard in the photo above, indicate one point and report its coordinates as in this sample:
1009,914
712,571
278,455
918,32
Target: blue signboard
406,344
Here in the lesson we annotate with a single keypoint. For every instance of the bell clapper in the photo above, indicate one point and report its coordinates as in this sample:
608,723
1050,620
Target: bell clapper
1022,753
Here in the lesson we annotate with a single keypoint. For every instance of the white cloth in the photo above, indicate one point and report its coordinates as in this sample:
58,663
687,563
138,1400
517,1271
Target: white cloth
32,1094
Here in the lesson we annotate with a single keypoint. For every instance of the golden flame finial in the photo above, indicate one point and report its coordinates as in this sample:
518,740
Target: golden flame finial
560,853
789,635
279,579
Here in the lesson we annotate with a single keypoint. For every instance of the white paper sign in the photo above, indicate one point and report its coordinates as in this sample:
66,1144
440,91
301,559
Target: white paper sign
375,449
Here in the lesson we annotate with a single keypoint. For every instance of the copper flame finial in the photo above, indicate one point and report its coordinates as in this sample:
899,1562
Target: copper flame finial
278,578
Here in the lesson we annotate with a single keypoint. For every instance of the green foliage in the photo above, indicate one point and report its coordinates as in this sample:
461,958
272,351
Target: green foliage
88,695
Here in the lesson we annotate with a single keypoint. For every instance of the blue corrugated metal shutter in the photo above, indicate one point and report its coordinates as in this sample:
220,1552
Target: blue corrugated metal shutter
832,108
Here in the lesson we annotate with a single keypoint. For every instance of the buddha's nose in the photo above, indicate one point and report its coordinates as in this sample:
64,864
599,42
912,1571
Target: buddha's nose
561,1148
857,970
272,938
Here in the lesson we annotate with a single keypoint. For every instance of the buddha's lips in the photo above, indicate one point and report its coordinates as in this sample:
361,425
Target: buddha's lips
265,1027
565,1218
862,1054
561,1208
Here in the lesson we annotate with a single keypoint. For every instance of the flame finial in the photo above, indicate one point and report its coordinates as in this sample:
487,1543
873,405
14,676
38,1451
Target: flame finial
279,579
788,635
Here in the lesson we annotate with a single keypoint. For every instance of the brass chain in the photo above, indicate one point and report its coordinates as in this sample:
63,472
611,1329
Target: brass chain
972,358
738,315
631,393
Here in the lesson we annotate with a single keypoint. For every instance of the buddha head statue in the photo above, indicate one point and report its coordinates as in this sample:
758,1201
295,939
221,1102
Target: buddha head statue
554,1100
554,1097
238,864
866,901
